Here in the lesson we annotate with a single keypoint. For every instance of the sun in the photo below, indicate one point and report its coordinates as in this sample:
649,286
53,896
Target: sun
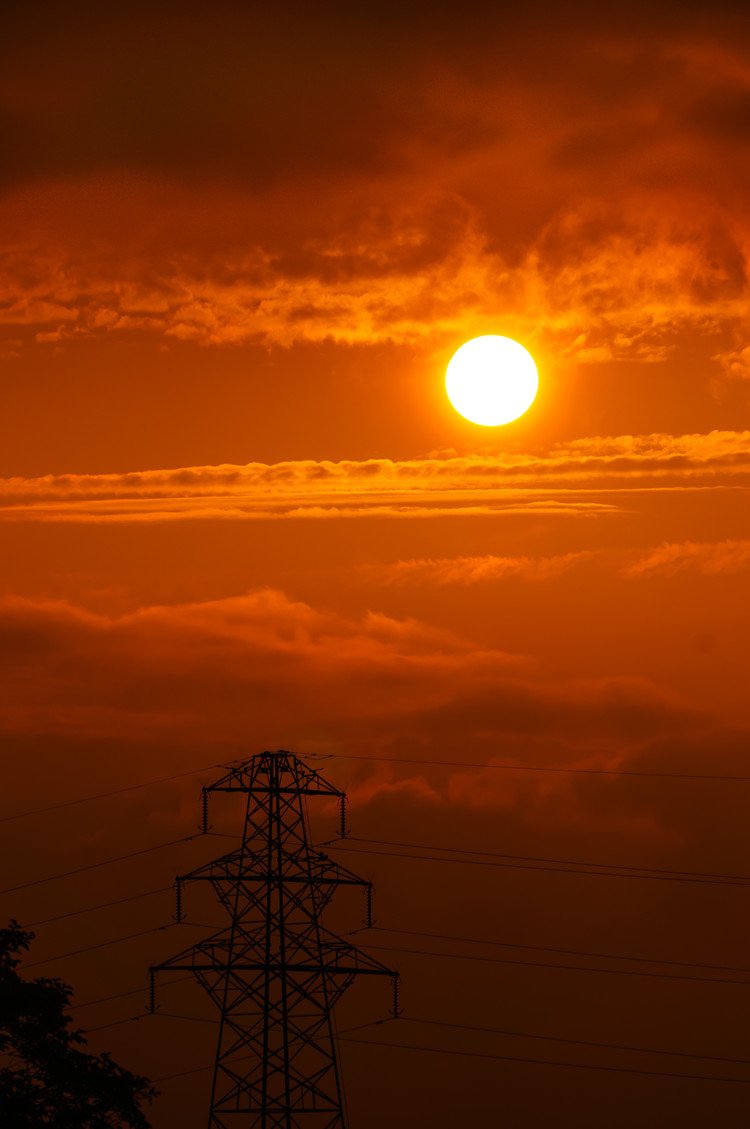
491,380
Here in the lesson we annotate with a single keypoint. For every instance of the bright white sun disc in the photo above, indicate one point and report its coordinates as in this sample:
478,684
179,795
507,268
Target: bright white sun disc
491,380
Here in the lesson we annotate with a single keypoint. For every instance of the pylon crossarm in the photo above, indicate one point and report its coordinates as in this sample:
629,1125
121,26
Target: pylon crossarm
334,958
281,772
337,950
324,869
183,960
340,968
222,867
252,867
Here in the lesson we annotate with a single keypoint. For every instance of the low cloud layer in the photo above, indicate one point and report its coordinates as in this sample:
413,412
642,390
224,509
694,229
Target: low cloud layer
569,479
265,662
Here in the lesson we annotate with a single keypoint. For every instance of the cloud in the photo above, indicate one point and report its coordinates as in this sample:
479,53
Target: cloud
195,511
736,362
591,285
192,683
703,557
567,479
285,670
168,669
251,187
476,570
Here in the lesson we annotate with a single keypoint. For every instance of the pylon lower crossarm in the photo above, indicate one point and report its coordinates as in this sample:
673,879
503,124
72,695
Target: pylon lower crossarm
272,967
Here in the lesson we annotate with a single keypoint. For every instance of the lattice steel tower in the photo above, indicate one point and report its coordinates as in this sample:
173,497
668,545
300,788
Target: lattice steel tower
275,973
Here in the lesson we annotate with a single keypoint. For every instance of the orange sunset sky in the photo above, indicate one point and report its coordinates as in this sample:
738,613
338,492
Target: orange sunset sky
240,243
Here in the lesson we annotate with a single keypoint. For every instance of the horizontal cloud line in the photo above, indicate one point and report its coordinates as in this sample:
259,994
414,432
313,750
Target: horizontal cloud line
487,479
195,510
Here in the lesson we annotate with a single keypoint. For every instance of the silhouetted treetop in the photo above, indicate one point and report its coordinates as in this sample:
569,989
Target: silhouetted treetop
46,1077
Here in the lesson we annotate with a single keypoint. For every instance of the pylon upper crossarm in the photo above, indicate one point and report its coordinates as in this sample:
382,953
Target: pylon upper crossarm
261,774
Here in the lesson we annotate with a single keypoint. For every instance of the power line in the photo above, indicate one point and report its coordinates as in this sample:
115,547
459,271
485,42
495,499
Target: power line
563,967
185,1073
101,945
142,1015
117,1023
244,1058
384,760
447,937
101,905
122,995
596,1043
498,1057
106,795
670,871
564,866
108,999
191,1018
574,1042
550,1062
517,1058
560,869
672,963
562,952
626,957
673,875
116,941
97,865
536,768
458,956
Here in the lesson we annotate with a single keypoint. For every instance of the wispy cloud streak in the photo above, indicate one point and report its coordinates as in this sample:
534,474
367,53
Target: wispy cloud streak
478,570
568,479
705,557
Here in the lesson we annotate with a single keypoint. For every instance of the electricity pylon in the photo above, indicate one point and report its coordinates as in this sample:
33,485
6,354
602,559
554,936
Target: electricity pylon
275,973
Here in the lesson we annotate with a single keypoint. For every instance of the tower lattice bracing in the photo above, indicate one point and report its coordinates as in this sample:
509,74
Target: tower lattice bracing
275,972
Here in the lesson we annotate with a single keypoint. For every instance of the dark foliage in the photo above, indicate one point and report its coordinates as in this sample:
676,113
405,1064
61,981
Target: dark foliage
46,1077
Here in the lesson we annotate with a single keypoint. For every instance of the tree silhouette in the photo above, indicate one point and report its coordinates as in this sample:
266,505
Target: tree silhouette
46,1078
